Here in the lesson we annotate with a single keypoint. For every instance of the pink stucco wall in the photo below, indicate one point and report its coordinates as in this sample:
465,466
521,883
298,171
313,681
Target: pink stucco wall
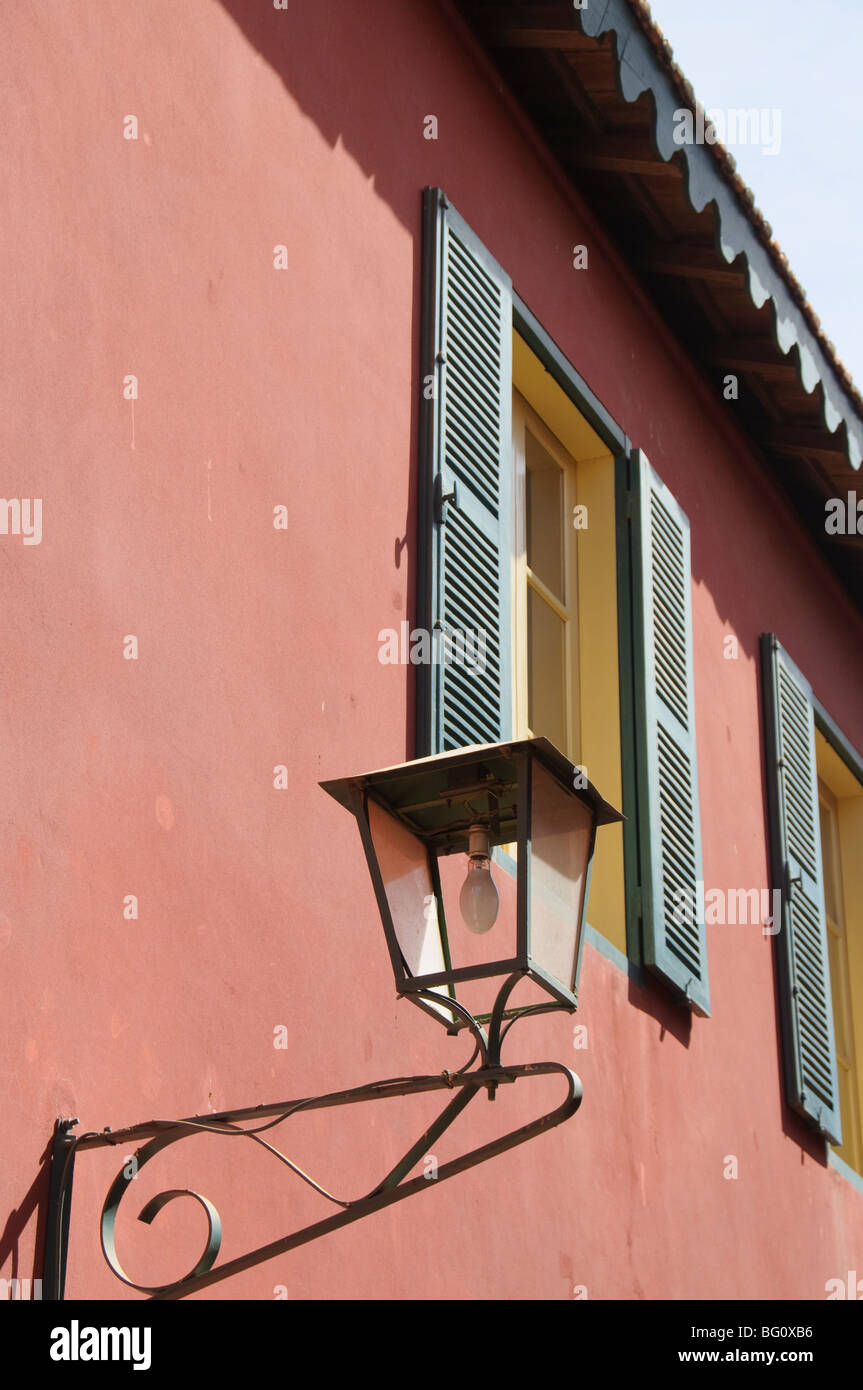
258,647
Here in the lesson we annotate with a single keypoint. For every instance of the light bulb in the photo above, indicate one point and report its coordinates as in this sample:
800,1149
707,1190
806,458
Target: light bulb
478,899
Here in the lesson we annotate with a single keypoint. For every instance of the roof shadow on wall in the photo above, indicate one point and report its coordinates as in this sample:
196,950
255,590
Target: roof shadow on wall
357,80
354,78
365,84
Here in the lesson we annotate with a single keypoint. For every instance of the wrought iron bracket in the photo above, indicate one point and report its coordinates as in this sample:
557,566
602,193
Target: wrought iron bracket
395,1187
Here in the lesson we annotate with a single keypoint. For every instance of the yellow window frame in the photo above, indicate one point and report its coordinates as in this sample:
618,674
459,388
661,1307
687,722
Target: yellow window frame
841,804
592,662
527,580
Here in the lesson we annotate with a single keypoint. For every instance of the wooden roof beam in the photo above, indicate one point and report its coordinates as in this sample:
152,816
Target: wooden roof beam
751,354
802,441
562,76
614,154
693,263
537,26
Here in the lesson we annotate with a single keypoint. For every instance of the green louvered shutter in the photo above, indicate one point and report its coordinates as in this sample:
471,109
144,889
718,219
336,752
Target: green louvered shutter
804,966
465,487
673,936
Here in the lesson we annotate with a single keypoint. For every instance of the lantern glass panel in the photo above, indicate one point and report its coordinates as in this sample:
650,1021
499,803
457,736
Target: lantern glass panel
560,836
404,867
500,941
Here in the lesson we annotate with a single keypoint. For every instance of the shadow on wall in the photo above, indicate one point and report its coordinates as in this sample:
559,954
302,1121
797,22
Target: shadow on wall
34,1200
364,83
354,78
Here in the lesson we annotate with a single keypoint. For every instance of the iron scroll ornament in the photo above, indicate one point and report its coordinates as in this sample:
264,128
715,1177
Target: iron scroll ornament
160,1134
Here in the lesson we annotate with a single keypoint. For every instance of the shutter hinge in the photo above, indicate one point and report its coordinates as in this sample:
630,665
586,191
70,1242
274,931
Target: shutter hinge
441,498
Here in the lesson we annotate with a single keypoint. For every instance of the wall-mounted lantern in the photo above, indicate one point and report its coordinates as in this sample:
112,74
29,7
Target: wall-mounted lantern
524,795
455,923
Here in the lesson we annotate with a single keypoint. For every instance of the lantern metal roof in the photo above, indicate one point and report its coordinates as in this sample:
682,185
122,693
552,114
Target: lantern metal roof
435,803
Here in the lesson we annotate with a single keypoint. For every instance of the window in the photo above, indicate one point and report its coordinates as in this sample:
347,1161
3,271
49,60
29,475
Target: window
815,788
564,602
587,628
546,585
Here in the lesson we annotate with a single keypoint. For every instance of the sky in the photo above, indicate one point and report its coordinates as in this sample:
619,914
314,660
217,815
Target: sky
804,59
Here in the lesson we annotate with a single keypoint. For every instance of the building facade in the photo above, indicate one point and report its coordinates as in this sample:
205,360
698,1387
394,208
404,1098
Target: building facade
328,325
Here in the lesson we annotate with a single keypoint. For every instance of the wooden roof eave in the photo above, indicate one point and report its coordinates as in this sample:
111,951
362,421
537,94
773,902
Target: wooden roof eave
807,409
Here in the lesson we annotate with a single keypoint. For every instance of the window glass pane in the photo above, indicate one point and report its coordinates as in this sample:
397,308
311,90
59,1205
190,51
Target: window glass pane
828,856
546,671
544,486
836,949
